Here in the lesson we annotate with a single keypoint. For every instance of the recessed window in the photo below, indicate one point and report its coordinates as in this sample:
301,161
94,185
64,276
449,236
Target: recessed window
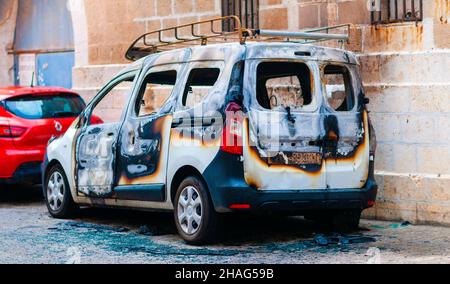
155,90
395,11
246,10
339,91
199,84
284,84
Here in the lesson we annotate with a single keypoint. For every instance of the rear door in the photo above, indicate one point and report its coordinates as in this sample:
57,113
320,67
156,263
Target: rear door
306,129
346,120
282,136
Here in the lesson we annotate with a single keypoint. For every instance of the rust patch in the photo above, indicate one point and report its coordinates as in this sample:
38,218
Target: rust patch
397,36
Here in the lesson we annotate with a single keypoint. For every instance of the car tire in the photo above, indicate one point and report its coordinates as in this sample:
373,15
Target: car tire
58,197
195,217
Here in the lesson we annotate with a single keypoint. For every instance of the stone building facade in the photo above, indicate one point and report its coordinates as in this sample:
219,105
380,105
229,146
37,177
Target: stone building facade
405,67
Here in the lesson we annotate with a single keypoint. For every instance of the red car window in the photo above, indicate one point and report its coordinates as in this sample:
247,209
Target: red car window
45,106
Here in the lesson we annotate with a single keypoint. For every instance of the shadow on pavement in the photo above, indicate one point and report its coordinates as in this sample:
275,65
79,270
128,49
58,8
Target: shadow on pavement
20,194
236,230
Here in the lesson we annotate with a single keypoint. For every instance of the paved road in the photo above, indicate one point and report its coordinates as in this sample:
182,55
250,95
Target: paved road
29,235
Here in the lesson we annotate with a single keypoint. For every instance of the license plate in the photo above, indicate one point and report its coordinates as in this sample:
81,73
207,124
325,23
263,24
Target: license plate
297,159
305,158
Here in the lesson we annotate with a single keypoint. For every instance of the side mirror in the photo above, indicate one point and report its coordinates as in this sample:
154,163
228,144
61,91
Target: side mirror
366,101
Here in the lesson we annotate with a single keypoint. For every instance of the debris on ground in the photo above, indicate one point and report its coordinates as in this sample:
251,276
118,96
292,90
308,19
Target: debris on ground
152,231
393,226
402,225
88,226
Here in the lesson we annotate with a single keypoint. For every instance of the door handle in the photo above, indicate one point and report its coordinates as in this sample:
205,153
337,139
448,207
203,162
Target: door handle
95,130
132,137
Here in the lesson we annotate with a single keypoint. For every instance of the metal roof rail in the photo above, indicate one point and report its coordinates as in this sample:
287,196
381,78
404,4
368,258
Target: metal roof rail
189,34
306,35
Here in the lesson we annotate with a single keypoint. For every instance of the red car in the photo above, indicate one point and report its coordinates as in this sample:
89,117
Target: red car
29,117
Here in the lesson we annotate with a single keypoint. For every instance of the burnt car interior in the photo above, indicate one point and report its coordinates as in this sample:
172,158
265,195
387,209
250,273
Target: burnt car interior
338,86
154,92
200,81
117,92
283,84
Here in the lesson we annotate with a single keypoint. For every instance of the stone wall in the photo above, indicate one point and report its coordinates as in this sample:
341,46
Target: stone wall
8,15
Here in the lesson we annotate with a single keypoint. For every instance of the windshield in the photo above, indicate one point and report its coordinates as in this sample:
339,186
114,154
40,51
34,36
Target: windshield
46,106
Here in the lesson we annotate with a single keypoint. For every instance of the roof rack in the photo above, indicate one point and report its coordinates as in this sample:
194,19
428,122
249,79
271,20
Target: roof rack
214,31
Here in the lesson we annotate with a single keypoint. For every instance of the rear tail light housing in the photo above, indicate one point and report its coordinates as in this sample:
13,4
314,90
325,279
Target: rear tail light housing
7,131
232,130
372,141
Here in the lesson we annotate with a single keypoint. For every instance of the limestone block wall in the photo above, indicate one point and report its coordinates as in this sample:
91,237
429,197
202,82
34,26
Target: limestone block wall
8,13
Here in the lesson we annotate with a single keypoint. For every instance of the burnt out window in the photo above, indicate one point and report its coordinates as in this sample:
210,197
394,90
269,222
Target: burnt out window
284,84
111,106
198,86
338,87
155,90
246,10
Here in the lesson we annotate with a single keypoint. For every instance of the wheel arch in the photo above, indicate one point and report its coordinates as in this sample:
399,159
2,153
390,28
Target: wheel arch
180,175
51,164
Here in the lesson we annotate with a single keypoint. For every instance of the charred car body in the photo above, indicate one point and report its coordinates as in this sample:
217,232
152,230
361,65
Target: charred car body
223,128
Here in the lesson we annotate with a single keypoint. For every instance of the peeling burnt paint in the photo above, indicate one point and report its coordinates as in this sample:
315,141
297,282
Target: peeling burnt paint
140,147
96,160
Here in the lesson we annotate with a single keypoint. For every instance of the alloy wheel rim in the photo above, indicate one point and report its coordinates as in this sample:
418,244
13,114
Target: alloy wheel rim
190,210
55,191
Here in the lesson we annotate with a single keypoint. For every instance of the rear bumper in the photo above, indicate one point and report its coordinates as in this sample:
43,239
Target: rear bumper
225,179
296,201
26,173
21,166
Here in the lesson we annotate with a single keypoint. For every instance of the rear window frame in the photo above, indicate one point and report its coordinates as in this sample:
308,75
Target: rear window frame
185,94
143,88
205,64
353,85
4,104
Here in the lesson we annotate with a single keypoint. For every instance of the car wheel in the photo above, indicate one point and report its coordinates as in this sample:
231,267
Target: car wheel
347,220
58,197
195,217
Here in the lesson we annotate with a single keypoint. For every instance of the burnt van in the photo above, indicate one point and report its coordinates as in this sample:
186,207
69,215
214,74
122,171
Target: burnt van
258,121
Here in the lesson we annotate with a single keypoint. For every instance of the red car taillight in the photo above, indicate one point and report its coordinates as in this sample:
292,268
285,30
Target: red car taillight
11,131
232,131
